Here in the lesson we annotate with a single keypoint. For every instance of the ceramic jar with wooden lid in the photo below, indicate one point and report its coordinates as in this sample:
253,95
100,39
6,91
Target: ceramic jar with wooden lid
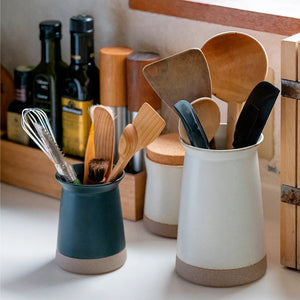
164,164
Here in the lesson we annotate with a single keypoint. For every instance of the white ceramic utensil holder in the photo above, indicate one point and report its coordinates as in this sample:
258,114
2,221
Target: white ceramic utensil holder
162,198
221,229
163,188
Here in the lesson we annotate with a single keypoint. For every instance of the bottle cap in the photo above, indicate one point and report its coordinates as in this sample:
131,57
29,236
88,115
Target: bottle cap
21,75
50,29
82,24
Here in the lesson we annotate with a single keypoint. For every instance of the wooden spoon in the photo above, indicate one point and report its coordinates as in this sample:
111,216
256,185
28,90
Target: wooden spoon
237,62
208,113
146,127
184,75
104,132
126,149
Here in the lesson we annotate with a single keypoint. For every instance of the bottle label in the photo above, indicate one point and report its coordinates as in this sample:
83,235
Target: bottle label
76,124
43,94
21,94
15,131
42,89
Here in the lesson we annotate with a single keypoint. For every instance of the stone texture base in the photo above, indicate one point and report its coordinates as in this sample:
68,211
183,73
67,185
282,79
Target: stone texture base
91,266
221,278
165,230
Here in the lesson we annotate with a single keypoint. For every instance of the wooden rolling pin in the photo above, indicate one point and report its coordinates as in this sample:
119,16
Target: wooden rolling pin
139,91
113,86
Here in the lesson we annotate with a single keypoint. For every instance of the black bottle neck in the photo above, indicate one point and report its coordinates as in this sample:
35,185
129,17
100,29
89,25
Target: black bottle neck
57,50
48,50
82,48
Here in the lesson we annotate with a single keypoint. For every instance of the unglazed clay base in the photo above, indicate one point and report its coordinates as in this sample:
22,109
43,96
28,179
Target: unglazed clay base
91,266
161,229
221,278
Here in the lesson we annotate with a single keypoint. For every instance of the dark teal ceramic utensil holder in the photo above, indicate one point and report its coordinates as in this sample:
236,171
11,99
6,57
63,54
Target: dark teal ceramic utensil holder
90,231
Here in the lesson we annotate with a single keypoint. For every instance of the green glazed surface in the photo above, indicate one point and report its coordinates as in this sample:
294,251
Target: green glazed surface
90,220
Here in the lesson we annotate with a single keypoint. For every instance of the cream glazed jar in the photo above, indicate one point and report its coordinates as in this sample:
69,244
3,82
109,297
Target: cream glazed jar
164,164
221,226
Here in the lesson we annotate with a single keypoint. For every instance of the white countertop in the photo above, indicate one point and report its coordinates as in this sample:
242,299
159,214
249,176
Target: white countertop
28,242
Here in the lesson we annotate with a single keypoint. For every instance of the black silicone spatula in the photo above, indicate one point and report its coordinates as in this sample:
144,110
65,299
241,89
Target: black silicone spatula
255,114
192,125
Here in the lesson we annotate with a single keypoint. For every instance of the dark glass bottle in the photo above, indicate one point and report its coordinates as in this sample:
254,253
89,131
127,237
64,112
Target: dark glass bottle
47,77
81,87
22,100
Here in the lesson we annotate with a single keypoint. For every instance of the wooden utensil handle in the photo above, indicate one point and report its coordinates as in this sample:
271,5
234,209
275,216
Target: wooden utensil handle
117,169
233,113
89,154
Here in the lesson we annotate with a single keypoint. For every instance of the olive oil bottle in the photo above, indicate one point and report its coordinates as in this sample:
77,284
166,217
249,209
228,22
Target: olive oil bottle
22,100
48,75
81,87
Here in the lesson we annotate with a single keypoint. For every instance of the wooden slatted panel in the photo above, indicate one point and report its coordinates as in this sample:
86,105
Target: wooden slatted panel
289,59
298,237
288,141
288,235
289,223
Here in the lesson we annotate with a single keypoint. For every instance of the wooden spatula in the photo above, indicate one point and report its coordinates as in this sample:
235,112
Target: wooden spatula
146,127
184,75
104,131
90,147
89,154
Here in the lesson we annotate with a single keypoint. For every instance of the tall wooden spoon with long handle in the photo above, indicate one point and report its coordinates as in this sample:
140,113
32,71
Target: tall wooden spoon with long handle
145,128
237,62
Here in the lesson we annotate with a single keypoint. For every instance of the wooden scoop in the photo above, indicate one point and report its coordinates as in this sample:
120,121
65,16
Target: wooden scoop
184,75
104,132
237,62
146,127
208,113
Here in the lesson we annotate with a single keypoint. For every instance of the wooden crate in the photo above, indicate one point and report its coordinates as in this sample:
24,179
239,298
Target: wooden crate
30,169
290,149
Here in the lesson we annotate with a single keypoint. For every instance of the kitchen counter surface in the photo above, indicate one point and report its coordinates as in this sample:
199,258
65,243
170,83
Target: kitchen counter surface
28,240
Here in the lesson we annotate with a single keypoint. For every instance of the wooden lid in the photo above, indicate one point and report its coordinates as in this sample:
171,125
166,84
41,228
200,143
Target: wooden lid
166,150
138,88
116,51
113,75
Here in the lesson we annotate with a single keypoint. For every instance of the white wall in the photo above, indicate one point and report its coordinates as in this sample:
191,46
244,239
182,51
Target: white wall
116,24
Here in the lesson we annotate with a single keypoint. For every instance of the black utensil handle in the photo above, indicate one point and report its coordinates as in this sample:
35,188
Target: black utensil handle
192,124
245,125
255,114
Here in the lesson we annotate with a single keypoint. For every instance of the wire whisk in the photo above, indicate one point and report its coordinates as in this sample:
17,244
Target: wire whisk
36,124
